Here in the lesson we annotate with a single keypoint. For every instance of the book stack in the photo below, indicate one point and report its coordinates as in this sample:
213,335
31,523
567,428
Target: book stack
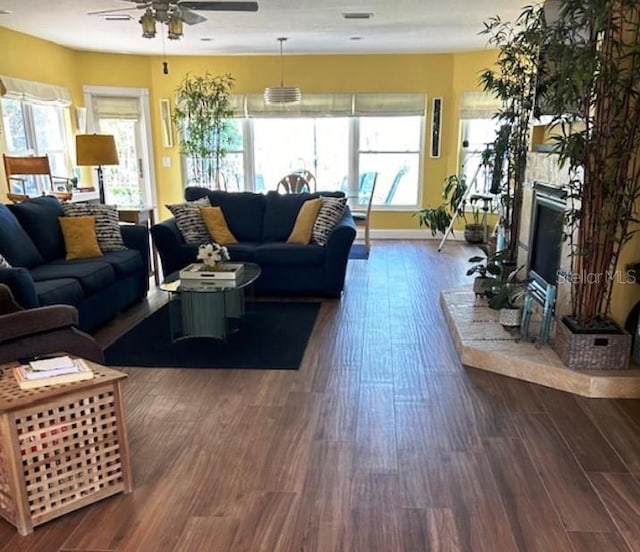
51,371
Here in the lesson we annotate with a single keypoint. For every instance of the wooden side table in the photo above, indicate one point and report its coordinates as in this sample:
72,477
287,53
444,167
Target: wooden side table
62,447
145,216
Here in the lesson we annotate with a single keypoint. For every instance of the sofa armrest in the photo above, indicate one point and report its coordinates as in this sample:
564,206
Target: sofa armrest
34,321
22,286
337,253
168,241
136,236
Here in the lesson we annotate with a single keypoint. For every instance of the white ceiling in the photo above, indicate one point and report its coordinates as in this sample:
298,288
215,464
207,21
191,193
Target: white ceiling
313,26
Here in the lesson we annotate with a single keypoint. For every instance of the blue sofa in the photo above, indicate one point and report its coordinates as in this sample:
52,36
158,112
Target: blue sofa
262,223
31,241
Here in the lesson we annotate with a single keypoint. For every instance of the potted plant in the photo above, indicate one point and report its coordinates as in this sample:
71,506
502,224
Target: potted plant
454,202
202,112
595,67
488,268
507,296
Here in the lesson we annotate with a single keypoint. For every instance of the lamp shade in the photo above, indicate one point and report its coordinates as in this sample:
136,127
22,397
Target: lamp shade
96,149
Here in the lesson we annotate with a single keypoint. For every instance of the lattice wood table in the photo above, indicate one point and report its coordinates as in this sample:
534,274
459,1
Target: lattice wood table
61,447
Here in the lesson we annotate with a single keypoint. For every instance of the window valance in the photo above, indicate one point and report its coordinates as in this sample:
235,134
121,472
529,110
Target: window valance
35,92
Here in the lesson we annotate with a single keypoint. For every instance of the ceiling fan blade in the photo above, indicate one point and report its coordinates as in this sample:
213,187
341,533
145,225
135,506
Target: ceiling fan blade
114,10
220,6
191,18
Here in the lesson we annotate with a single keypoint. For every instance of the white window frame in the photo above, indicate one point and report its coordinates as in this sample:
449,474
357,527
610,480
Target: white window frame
355,106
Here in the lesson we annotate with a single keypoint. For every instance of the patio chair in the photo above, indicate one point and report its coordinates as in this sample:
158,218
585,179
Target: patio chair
17,169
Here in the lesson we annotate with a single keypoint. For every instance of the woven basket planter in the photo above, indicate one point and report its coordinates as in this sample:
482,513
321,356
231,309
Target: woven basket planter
592,351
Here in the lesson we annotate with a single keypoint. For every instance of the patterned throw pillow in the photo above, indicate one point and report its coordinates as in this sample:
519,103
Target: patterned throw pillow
189,220
107,223
330,213
4,263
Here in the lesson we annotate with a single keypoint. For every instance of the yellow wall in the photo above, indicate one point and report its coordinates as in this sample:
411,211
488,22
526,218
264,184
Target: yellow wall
436,75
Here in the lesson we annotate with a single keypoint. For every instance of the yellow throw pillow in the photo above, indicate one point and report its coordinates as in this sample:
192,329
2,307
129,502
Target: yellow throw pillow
303,227
217,225
80,239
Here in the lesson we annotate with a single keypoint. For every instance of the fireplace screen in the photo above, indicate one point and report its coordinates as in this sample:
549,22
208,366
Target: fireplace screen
546,238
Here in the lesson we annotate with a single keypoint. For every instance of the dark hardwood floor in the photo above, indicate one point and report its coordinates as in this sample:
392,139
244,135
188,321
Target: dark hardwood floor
382,441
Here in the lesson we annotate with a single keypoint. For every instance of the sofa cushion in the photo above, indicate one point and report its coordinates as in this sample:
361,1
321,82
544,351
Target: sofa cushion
39,218
65,291
330,213
280,214
292,254
305,220
125,263
107,223
243,211
243,252
93,275
189,220
217,226
15,244
80,241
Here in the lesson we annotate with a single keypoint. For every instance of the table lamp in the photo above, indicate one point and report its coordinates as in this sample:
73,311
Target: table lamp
96,149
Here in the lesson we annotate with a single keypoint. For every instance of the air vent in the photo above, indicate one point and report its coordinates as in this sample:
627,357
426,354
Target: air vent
357,15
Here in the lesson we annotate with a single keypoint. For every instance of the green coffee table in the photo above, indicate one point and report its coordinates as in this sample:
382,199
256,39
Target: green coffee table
202,308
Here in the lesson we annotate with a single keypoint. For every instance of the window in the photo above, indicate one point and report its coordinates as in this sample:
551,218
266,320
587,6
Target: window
347,141
35,118
36,130
477,133
390,148
478,128
283,146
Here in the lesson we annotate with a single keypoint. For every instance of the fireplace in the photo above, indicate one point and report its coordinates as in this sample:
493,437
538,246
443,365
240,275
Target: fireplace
545,243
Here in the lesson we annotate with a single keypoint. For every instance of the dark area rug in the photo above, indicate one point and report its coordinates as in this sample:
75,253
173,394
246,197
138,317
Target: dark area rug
272,335
358,251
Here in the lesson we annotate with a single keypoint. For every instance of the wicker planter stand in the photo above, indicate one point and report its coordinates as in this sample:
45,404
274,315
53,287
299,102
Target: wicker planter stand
605,351
61,447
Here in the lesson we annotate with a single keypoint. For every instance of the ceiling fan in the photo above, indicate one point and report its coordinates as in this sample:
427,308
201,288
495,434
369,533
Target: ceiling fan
174,13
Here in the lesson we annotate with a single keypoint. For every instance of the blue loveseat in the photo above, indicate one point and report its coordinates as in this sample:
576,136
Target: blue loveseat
261,224
31,241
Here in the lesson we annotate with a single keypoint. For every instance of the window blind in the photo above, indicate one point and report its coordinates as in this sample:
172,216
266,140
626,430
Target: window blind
332,105
378,105
35,92
112,107
478,105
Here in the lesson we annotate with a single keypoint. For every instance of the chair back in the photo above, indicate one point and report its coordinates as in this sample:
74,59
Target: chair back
17,168
293,183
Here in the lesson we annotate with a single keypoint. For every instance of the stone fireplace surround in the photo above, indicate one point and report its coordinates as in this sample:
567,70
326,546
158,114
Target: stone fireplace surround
483,343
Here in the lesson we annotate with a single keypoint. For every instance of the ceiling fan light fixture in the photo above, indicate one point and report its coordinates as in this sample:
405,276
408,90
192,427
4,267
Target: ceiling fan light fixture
175,26
148,23
282,94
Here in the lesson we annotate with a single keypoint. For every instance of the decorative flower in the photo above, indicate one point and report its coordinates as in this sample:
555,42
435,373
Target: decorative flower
212,253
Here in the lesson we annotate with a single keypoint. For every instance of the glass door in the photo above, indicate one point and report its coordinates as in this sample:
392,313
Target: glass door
124,113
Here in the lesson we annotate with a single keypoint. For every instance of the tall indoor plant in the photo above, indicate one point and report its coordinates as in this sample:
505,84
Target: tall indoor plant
594,61
513,81
202,113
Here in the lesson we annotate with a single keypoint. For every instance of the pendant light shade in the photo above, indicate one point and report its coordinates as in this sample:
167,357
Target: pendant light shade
282,94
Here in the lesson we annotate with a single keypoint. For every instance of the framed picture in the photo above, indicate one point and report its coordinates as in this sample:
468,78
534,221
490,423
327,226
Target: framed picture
165,118
436,127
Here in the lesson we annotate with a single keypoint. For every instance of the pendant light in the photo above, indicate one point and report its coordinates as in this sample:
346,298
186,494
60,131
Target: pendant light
282,94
